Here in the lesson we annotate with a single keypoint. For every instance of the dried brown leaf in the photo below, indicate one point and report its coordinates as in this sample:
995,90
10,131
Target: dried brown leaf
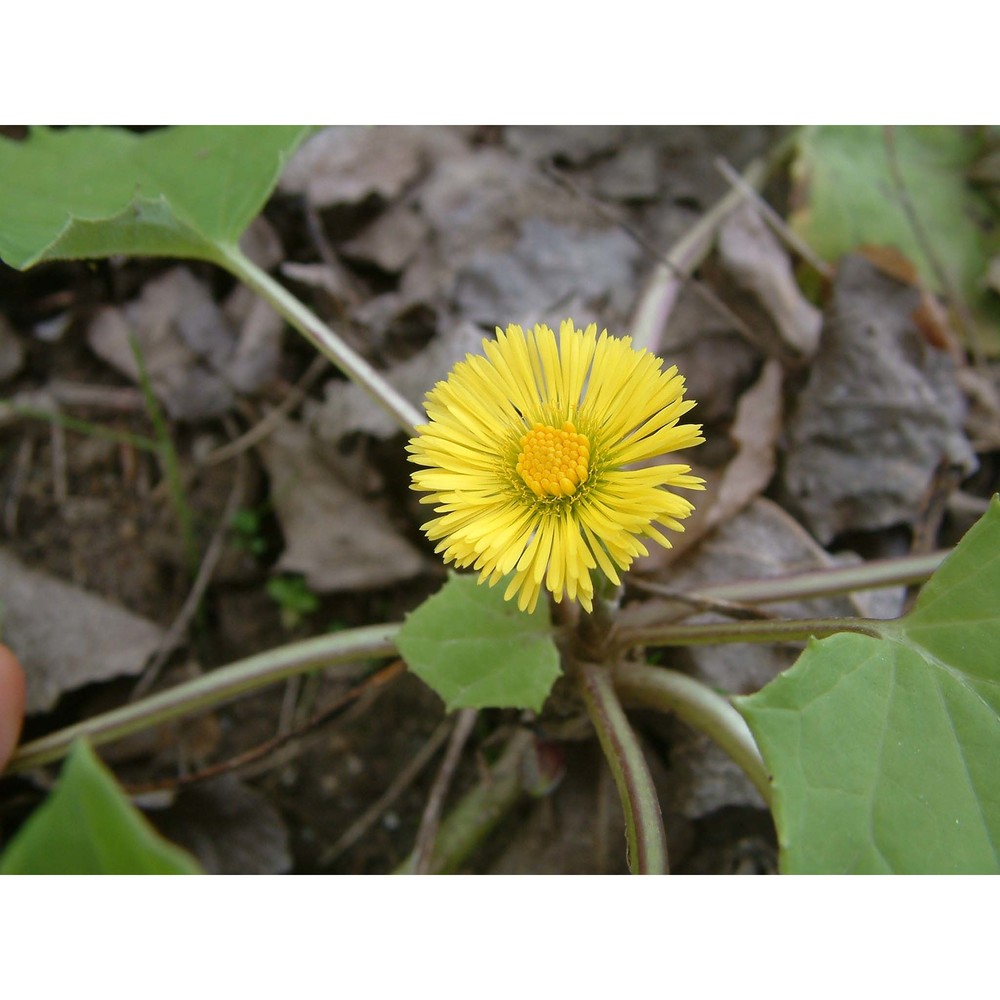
758,262
338,539
551,272
194,357
755,433
67,637
880,410
345,164
391,241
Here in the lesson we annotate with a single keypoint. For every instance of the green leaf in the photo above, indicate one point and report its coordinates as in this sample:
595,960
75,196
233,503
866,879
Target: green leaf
87,826
177,192
846,197
884,751
477,650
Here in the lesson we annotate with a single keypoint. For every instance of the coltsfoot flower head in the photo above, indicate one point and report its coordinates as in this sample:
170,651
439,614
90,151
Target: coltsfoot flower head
529,457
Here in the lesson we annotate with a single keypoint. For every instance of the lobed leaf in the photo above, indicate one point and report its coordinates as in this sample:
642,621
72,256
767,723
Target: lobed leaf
846,197
883,751
477,650
177,192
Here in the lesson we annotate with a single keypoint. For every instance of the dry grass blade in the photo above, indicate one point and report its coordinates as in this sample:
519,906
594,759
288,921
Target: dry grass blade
399,784
424,848
775,221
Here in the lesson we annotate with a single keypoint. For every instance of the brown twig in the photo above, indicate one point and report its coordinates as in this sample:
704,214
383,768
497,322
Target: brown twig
120,399
781,228
399,784
60,480
372,683
481,809
682,259
202,579
270,422
423,849
22,467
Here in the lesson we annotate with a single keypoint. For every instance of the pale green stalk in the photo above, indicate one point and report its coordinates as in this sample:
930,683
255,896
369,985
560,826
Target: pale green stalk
644,686
764,630
644,833
833,580
214,688
321,337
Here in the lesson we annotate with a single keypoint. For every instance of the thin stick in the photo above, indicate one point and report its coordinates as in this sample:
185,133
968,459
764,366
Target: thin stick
370,684
825,582
10,409
193,600
121,399
60,482
22,466
775,221
697,602
399,784
271,421
678,263
470,822
774,630
423,849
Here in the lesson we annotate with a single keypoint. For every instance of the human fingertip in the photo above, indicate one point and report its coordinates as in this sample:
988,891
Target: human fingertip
12,703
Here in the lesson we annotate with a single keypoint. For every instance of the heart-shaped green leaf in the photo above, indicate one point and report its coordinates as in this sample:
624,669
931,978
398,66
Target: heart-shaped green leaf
87,826
477,650
177,192
884,751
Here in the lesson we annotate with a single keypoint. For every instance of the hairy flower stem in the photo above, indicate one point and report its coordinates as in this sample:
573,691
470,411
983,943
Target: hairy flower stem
829,580
644,833
342,648
768,630
644,686
322,338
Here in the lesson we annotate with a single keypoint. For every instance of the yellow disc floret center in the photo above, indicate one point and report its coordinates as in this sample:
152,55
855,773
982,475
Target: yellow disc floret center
553,460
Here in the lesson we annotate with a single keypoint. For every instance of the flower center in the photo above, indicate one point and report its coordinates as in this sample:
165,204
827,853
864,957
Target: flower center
553,461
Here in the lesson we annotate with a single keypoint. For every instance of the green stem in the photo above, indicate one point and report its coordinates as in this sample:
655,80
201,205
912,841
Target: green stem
211,689
766,630
478,813
647,842
823,582
700,707
321,337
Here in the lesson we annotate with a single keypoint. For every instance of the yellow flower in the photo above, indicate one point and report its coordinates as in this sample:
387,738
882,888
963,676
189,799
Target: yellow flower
528,456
